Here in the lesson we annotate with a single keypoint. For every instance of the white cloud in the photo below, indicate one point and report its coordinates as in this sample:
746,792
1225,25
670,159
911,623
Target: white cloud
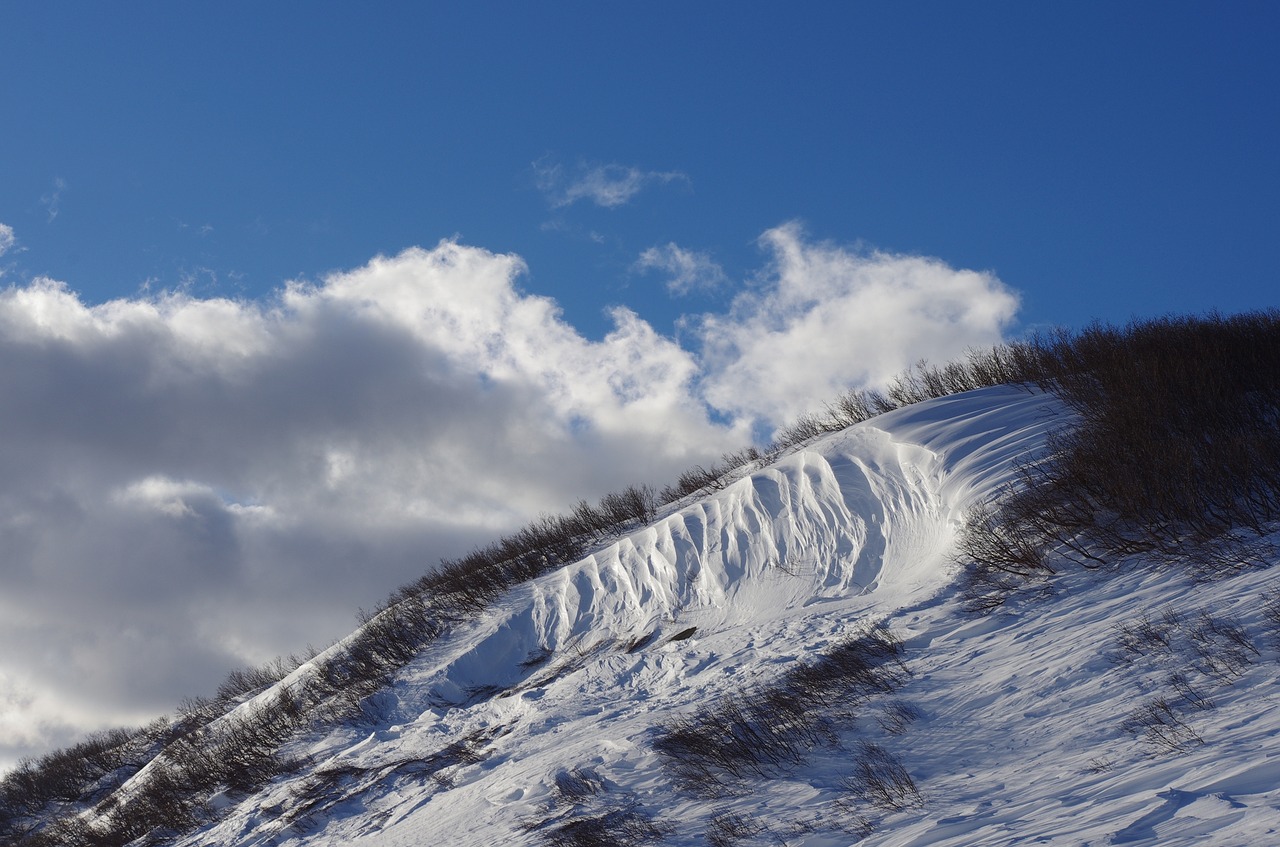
608,185
189,484
825,318
264,469
7,239
687,270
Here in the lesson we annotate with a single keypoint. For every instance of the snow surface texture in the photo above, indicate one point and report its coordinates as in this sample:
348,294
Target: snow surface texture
545,708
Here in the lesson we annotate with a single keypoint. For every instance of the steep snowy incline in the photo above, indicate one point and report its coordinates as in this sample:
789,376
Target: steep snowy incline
573,670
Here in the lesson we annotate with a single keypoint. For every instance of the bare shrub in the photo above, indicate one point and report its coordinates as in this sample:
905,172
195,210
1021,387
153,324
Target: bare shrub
805,428
850,408
1161,727
1176,452
635,504
896,716
629,826
1099,764
881,781
1271,615
728,829
577,784
1188,693
999,553
1223,650
771,731
73,777
694,481
1141,638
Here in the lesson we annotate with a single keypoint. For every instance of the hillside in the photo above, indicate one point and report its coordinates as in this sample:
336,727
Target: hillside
808,654
544,712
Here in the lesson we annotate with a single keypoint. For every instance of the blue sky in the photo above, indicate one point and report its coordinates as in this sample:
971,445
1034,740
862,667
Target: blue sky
1103,159
616,240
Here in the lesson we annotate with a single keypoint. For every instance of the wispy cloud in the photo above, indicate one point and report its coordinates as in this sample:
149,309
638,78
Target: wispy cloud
687,270
7,238
609,185
202,230
53,199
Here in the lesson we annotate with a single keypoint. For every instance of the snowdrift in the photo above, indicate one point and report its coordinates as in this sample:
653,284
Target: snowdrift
574,669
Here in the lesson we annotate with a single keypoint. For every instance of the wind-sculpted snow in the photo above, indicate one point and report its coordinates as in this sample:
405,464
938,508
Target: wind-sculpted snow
864,517
541,715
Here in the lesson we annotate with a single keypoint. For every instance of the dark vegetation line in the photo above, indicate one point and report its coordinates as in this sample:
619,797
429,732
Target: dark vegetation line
1176,455
1179,443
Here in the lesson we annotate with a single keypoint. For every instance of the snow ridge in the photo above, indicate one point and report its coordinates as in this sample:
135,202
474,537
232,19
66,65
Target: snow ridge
855,525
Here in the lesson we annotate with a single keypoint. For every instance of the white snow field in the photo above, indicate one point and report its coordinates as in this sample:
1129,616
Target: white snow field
1019,727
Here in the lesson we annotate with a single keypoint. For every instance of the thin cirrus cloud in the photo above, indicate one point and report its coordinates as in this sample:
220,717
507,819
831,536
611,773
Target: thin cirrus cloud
605,185
188,485
53,200
687,271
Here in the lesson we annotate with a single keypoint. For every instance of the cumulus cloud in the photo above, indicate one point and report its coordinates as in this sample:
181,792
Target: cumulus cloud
687,270
825,318
188,485
608,185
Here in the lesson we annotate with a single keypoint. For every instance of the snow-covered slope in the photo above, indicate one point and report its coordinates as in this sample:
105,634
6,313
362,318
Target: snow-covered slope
544,709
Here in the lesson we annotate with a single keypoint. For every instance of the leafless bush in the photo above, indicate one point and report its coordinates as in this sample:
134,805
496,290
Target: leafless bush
629,826
1271,615
881,781
1141,638
74,777
771,731
740,458
1176,452
1099,764
896,716
709,751
1161,727
1223,650
804,428
850,408
1188,693
635,504
577,784
1208,650
728,829
1000,553
695,480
